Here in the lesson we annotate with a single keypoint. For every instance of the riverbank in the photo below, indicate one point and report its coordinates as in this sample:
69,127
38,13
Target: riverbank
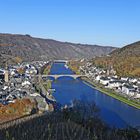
111,93
45,70
75,67
47,84
112,111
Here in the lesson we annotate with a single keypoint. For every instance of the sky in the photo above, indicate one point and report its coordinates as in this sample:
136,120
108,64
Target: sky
103,22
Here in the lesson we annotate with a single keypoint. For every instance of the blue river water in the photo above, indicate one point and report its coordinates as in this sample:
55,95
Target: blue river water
112,111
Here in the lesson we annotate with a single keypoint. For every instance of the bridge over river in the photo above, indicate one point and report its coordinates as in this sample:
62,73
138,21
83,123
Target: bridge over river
60,61
55,76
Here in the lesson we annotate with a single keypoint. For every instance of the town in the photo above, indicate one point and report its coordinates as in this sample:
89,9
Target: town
125,86
20,81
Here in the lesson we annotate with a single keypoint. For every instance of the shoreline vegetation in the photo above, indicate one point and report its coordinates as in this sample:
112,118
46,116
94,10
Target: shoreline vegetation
108,92
73,67
47,84
46,70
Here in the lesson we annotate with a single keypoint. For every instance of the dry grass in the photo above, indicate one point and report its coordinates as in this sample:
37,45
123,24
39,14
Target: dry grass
15,110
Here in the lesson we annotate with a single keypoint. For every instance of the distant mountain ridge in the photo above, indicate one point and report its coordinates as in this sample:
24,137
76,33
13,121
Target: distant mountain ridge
30,48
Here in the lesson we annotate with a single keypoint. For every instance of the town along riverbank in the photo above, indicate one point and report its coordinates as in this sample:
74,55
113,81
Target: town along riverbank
75,66
78,122
111,93
112,111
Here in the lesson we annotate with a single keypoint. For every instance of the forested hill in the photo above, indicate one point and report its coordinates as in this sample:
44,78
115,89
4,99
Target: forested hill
126,60
30,48
129,50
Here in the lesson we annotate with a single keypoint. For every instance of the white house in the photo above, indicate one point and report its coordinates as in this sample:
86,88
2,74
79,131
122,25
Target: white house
114,84
114,79
137,96
104,81
133,80
129,90
26,83
98,78
124,78
12,73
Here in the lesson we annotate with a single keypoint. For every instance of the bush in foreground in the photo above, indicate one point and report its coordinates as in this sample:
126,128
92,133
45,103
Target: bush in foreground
81,122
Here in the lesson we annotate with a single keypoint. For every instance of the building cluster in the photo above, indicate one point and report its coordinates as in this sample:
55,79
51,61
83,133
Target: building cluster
126,86
19,81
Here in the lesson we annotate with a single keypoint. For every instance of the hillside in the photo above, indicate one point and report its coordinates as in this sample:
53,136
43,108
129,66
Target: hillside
30,48
81,122
126,61
16,110
129,50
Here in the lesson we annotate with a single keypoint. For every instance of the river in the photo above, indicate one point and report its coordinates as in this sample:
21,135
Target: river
112,111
